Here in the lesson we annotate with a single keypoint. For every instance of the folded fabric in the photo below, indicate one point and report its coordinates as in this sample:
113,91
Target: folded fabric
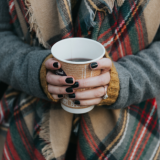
123,30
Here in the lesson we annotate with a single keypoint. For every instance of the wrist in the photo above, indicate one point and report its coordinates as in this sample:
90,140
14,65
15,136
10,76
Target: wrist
113,87
44,84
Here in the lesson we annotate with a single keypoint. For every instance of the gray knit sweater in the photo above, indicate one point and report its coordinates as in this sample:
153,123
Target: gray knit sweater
20,67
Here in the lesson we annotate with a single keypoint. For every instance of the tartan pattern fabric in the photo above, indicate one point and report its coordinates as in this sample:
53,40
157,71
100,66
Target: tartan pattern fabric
30,38
136,130
143,123
115,31
21,143
136,133
14,19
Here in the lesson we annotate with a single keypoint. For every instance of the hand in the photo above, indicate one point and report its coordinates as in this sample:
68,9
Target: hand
58,85
93,96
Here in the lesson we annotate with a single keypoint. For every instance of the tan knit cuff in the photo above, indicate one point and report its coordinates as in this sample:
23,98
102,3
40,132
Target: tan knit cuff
112,90
113,87
43,72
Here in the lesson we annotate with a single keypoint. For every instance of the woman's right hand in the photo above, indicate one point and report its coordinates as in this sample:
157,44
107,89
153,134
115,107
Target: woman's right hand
58,86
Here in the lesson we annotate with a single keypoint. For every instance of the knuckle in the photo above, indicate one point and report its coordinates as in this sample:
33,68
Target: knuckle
46,63
49,63
109,63
85,103
60,90
49,88
55,96
96,103
102,81
108,77
60,80
48,77
99,92
83,83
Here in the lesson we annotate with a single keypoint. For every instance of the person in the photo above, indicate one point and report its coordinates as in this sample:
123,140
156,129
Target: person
125,125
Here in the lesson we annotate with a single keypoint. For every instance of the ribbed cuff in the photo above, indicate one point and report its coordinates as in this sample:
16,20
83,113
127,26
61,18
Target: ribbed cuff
112,90
113,86
43,73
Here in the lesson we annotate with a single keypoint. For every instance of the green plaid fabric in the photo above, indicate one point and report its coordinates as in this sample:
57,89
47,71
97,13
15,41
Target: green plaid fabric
122,31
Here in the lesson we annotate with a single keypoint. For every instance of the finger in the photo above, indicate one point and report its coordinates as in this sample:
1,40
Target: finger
60,96
104,63
89,102
60,90
88,94
97,81
51,64
59,80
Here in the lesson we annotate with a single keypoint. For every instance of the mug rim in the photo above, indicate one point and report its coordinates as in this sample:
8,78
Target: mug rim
85,62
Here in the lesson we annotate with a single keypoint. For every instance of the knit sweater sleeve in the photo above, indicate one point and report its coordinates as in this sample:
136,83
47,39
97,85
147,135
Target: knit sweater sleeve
19,63
139,76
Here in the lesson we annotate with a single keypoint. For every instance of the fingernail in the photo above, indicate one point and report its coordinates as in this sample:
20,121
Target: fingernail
69,90
76,84
55,64
60,96
77,102
94,65
72,95
69,80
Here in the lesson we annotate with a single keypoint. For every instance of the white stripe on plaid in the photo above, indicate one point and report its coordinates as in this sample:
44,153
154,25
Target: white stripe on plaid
155,150
120,142
1,114
143,132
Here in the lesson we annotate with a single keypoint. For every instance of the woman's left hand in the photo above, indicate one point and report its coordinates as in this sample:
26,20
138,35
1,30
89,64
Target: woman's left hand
98,83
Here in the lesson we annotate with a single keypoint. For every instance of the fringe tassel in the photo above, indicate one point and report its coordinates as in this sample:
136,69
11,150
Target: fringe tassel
89,20
47,150
120,2
34,26
110,4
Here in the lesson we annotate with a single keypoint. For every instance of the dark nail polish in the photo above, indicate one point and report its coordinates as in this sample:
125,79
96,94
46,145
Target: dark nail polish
69,90
72,95
60,96
76,84
55,64
94,65
69,80
77,102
